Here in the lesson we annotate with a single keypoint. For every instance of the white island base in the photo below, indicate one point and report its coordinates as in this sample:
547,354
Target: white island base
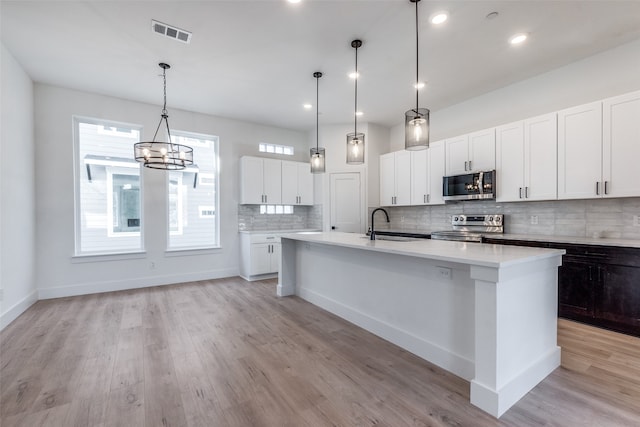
487,313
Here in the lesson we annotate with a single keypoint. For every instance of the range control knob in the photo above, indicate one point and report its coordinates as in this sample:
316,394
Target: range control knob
498,219
455,218
490,218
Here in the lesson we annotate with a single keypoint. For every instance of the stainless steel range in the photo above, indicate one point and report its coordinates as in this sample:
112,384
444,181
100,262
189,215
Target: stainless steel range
470,228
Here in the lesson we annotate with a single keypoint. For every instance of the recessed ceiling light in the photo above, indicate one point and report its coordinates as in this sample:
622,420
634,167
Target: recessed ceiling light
359,113
354,75
419,85
294,1
439,17
307,106
518,38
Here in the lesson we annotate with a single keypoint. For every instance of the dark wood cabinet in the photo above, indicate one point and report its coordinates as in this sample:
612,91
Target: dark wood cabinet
598,285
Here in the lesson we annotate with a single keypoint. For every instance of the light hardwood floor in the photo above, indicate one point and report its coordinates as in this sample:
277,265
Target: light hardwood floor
230,353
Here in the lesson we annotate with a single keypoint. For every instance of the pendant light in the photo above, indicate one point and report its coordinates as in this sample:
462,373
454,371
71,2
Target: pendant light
163,155
416,120
355,140
317,154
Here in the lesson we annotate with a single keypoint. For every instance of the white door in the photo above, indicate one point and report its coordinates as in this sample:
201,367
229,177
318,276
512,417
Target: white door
272,181
482,150
403,177
289,183
305,184
419,176
457,155
251,181
510,162
345,202
387,179
621,145
436,172
580,152
541,152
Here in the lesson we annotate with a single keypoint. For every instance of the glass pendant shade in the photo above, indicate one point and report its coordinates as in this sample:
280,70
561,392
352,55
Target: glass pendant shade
355,148
416,129
317,160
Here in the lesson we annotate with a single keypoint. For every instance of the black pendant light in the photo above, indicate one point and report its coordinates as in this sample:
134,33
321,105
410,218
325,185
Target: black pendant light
317,154
355,140
163,155
416,120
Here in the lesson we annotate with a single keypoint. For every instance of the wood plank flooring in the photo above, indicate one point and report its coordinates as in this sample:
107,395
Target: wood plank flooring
230,353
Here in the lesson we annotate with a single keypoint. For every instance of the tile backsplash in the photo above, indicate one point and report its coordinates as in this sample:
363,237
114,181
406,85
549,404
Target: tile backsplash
612,218
303,217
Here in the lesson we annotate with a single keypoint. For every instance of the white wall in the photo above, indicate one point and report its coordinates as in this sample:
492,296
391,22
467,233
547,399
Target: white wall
58,272
606,74
17,194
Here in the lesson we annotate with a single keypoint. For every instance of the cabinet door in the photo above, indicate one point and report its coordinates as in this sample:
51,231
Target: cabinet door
251,181
261,258
619,297
289,183
580,152
482,150
387,179
457,155
540,158
305,184
576,281
510,162
403,177
275,257
419,176
436,172
621,145
272,176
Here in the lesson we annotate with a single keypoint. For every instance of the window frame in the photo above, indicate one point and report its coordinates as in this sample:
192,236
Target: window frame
216,189
78,168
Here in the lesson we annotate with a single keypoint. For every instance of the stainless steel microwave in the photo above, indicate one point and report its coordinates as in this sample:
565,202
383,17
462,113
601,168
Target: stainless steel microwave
470,186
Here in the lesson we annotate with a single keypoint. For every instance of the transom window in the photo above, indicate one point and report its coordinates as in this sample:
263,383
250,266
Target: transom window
264,147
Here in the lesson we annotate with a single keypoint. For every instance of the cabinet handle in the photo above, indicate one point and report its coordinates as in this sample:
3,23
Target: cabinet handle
526,192
465,165
470,168
590,274
520,191
606,187
424,198
428,198
597,188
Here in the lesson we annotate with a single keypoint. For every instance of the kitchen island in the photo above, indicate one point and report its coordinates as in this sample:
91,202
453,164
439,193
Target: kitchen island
486,313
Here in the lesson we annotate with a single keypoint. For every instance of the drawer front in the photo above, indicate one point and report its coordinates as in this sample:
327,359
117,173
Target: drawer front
265,238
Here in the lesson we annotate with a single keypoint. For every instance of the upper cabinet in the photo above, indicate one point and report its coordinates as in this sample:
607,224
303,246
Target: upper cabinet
580,152
275,182
297,183
621,145
395,179
472,152
427,170
526,167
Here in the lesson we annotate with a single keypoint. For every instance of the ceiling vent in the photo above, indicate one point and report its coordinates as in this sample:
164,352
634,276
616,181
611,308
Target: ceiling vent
170,31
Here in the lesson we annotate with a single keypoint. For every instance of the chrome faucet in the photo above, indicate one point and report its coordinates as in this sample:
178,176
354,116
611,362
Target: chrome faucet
373,233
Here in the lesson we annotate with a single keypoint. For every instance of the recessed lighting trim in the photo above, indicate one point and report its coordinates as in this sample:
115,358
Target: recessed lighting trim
294,1
518,38
439,17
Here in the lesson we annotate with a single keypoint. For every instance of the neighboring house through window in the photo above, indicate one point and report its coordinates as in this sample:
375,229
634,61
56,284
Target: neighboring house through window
108,202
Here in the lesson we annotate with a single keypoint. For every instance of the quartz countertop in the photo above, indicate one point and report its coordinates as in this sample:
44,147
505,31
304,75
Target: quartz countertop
625,243
479,254
301,230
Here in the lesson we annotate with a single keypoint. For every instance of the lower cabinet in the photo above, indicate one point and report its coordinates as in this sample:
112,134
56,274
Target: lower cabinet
598,285
260,255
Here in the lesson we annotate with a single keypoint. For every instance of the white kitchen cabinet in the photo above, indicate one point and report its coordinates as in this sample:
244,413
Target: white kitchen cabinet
260,181
471,152
580,152
427,170
297,183
395,178
260,255
526,167
621,145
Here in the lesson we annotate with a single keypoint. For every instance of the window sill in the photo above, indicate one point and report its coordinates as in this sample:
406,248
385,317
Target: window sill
192,251
101,257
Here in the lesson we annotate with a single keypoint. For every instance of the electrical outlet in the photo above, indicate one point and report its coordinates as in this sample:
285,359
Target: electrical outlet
534,219
444,272
401,219
152,265
636,221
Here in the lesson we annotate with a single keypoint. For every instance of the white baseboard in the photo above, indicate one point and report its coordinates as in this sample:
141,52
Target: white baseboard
17,309
121,285
439,356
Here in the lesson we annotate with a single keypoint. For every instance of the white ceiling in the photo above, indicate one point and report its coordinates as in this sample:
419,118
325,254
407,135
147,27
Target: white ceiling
254,60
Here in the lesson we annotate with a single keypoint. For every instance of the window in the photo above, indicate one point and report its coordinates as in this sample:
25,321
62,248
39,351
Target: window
108,210
276,209
193,196
263,147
